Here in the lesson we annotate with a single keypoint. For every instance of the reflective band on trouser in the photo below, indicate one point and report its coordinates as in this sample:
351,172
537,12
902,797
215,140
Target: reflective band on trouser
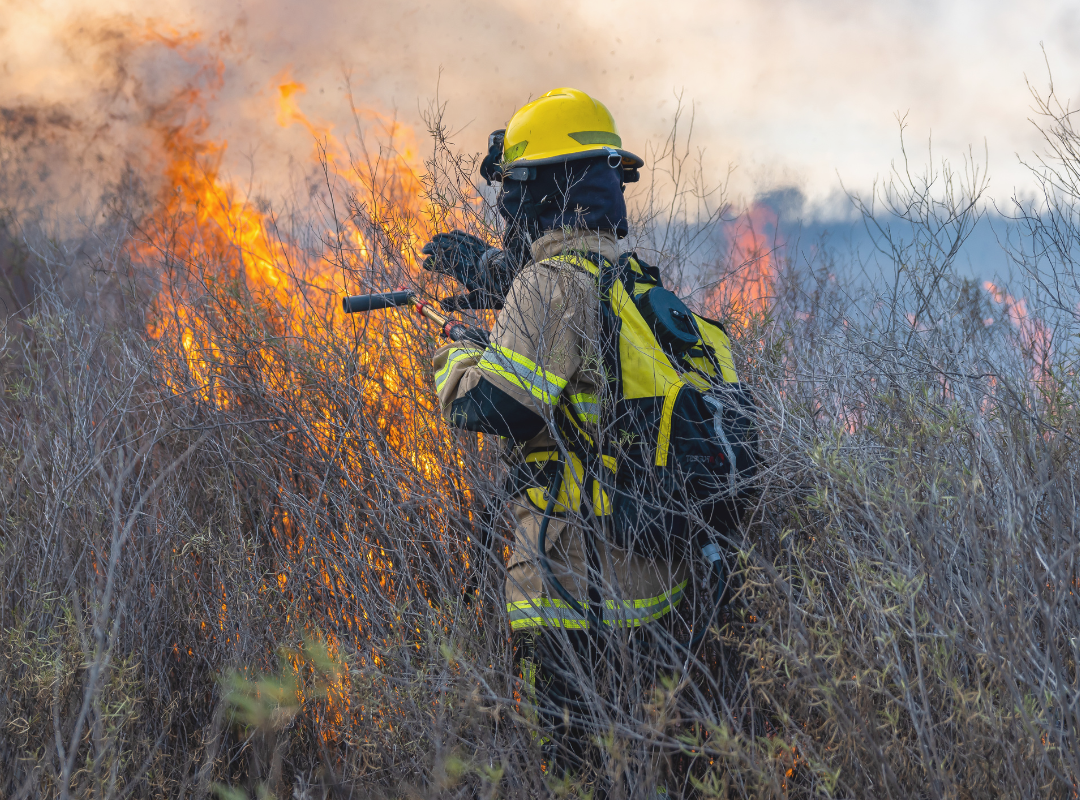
523,373
587,407
453,356
555,613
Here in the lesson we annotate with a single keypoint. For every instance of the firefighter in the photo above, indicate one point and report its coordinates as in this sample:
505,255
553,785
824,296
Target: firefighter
574,574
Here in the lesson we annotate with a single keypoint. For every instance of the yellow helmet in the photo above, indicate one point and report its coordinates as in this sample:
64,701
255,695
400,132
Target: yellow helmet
563,125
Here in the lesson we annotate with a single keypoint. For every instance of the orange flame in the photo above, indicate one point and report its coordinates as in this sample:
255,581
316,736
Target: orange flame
747,284
1035,335
221,257
289,112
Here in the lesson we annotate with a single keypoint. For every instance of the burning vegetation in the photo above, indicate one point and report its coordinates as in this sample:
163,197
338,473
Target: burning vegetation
241,552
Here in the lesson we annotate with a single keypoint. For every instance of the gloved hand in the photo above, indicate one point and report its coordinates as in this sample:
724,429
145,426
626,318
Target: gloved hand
486,271
458,255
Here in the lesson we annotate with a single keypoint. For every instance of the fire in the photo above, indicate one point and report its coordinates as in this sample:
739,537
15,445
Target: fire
288,111
745,289
209,222
250,308
1035,335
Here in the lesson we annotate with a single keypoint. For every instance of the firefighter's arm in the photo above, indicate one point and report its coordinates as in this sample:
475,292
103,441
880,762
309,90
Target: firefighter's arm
509,387
470,401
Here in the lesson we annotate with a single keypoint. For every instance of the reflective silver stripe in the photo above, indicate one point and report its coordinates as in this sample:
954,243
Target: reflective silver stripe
555,613
711,552
718,427
587,406
523,373
454,355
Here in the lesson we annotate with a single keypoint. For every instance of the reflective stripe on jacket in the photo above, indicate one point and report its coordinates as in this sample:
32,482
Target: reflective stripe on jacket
543,348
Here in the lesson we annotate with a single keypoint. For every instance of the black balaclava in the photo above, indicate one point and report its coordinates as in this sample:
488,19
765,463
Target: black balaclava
584,193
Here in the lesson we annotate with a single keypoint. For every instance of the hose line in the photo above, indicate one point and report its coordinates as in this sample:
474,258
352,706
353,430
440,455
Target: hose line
711,552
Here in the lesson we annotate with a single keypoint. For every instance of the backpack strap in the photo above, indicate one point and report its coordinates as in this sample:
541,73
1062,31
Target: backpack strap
627,268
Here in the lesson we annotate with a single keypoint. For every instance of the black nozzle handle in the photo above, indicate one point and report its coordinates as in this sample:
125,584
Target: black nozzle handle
373,302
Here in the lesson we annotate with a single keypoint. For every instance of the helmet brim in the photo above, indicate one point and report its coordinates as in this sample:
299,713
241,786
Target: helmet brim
629,160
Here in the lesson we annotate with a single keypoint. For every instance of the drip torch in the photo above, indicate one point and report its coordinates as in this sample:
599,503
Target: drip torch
451,329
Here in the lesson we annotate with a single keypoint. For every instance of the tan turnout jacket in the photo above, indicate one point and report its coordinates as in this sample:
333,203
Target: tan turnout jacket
545,352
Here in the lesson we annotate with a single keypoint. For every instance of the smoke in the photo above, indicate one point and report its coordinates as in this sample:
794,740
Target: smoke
118,70
792,94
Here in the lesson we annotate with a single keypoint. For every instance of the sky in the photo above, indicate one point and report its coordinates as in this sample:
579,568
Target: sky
790,95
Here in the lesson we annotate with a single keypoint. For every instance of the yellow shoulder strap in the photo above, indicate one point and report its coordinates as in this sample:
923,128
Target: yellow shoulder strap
663,438
578,261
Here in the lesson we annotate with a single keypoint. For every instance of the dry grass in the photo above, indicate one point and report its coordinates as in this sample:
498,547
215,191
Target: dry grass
238,568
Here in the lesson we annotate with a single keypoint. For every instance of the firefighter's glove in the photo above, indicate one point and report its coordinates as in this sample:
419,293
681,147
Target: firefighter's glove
486,271
469,301
458,255
498,270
